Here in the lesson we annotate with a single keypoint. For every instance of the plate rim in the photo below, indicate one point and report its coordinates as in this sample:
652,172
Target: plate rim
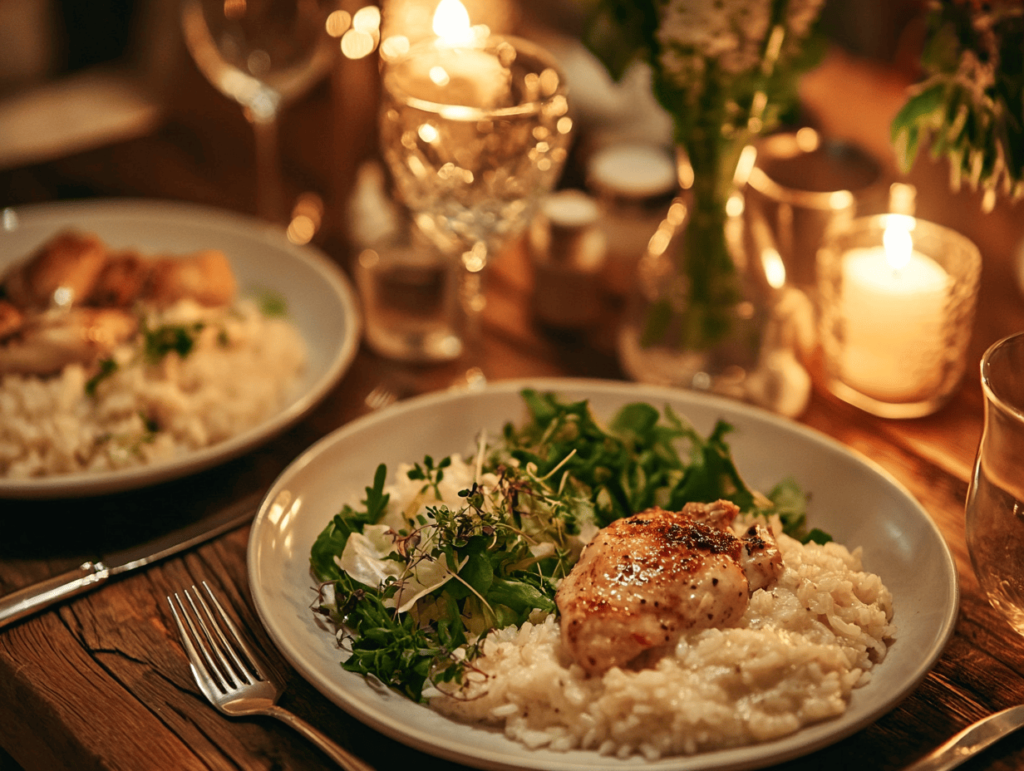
785,748
233,223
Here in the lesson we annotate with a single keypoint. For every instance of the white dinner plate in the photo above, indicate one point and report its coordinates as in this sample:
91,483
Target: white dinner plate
320,301
854,500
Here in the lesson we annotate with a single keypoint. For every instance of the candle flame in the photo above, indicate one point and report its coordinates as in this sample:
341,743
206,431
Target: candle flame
898,244
774,268
451,23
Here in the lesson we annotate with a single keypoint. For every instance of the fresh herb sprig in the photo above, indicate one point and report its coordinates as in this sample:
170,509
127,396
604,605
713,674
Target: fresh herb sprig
507,546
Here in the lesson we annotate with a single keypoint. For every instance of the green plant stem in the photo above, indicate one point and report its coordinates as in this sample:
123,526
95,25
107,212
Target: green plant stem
704,258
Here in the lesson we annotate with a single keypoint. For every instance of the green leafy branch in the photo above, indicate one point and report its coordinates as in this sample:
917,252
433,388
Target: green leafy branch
970,107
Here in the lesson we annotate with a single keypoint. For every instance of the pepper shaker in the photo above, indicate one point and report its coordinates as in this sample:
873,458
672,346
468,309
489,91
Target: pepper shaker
567,252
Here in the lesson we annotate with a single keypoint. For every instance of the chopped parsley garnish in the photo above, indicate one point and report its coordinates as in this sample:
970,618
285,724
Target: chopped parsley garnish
107,367
458,571
167,338
272,303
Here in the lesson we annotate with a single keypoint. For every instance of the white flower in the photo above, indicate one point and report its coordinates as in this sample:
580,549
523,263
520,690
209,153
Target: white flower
729,33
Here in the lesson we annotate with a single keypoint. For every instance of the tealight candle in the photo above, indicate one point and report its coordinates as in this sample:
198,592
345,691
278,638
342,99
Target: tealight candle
453,68
892,307
897,298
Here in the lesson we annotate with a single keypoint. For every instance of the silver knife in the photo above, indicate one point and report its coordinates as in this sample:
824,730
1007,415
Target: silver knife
90,575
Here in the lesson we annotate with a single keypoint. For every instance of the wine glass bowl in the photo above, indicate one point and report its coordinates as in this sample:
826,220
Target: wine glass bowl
474,137
263,54
995,498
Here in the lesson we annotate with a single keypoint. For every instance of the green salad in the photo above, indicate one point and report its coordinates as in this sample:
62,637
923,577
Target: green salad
421,570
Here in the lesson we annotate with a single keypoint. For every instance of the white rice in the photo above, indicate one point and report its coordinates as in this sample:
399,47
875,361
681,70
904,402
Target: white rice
239,373
794,659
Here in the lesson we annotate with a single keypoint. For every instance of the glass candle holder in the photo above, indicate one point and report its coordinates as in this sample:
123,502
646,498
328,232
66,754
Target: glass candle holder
897,297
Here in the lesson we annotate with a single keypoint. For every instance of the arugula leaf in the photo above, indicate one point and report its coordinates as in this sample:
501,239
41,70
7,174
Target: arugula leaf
789,501
712,475
817,536
376,501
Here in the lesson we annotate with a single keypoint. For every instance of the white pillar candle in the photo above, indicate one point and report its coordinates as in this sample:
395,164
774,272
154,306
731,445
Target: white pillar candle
892,307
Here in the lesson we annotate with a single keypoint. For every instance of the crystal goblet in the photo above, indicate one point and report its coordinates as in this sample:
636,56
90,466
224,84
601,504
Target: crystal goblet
474,135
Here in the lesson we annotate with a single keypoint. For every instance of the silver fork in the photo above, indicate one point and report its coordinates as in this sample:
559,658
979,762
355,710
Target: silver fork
229,674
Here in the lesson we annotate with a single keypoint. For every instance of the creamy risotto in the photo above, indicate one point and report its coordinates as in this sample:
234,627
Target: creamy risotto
794,659
238,372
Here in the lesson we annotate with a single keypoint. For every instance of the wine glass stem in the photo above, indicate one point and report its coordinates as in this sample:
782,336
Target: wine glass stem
473,301
269,179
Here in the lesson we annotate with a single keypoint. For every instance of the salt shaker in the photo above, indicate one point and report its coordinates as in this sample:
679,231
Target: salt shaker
567,251
634,184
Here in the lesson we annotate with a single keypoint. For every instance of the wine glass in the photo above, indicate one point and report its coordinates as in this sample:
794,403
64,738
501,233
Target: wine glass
995,498
475,135
263,54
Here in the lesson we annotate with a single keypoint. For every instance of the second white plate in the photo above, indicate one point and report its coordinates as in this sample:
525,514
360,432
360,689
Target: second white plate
319,298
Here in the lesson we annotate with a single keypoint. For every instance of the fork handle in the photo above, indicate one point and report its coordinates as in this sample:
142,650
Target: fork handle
334,751
972,740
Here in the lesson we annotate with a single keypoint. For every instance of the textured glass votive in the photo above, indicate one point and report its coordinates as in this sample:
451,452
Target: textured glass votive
897,301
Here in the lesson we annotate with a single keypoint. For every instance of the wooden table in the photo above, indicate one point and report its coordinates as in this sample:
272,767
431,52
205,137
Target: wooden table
101,682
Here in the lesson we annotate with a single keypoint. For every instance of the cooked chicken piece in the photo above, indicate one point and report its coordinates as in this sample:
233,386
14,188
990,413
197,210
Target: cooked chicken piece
11,319
122,280
645,579
49,341
61,273
205,277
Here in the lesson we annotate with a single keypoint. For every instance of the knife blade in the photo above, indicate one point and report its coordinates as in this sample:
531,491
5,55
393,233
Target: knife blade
94,573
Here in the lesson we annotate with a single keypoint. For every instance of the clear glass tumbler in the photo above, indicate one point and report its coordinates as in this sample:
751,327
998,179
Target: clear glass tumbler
995,499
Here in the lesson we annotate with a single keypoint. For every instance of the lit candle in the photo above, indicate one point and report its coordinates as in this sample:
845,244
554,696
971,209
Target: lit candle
893,304
454,69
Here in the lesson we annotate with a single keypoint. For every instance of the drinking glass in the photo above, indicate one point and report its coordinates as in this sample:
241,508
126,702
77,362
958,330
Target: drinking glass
475,136
263,54
995,498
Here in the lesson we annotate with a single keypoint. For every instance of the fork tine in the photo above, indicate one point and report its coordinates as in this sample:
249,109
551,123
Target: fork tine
233,677
238,643
207,675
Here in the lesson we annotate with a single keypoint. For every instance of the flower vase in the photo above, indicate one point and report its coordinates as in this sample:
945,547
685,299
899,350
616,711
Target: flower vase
695,317
710,311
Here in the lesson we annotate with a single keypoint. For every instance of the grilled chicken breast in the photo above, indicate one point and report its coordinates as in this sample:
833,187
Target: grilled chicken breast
645,579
